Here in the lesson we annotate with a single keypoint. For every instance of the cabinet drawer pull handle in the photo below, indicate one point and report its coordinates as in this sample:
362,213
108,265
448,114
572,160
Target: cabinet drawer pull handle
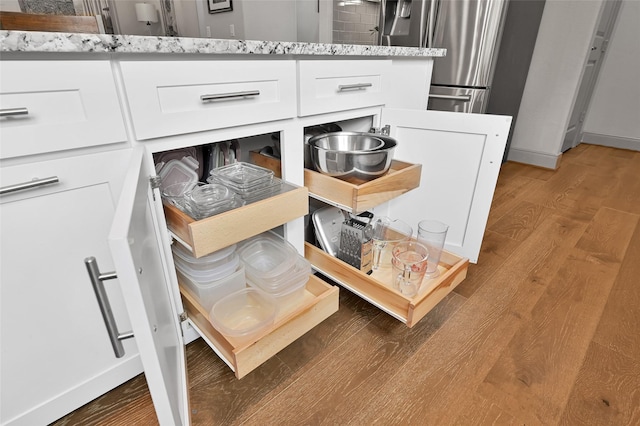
357,86
12,112
28,185
230,95
97,279
463,98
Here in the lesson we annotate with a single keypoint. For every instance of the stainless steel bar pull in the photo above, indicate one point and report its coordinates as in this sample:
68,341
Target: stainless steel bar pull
28,185
230,95
357,86
105,307
12,112
463,98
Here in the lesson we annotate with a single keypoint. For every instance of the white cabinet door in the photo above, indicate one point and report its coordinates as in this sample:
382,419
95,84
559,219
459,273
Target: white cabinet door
136,249
461,155
56,354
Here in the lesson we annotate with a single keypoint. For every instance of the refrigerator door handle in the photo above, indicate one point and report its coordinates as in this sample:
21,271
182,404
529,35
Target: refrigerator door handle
463,98
431,22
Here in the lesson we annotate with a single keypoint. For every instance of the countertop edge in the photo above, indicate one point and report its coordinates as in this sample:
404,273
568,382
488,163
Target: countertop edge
32,41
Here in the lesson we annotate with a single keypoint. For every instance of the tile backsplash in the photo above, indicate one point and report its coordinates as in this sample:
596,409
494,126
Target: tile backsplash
355,23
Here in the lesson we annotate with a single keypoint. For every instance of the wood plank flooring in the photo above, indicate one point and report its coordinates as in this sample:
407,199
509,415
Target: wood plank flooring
545,330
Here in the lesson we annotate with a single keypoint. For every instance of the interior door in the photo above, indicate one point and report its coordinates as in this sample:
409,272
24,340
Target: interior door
590,73
461,155
137,256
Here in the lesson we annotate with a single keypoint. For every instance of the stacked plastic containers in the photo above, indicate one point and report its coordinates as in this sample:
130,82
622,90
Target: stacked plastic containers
275,267
177,177
212,277
249,181
210,199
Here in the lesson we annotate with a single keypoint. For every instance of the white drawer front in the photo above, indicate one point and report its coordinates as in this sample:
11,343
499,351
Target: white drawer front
166,98
327,86
58,105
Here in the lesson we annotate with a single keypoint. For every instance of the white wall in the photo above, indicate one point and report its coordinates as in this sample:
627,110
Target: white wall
273,20
128,24
218,23
563,42
186,18
613,117
9,6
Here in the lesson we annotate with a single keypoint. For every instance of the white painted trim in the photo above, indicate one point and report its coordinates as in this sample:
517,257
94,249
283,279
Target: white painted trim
79,395
611,141
540,159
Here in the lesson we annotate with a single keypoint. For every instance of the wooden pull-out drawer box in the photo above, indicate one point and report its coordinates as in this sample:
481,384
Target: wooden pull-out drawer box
376,288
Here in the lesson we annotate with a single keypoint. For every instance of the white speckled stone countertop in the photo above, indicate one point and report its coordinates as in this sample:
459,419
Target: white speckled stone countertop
29,41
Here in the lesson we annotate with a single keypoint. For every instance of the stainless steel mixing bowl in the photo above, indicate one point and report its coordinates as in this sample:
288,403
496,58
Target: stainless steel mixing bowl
345,155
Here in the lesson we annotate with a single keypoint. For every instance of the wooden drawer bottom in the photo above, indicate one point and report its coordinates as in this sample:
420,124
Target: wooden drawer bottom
320,301
374,287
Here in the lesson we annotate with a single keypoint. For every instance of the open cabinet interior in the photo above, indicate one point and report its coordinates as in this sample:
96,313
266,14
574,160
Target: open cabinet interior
211,246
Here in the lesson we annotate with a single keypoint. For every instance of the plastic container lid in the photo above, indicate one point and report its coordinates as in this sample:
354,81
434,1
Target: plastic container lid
217,272
244,313
242,175
209,292
177,171
210,195
267,258
207,262
290,281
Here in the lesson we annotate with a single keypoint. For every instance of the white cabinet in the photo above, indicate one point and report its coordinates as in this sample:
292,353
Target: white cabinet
327,86
61,173
48,106
461,155
56,354
176,97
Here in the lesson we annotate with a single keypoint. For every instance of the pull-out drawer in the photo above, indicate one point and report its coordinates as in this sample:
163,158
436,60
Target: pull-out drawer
358,196
292,321
176,97
376,288
48,106
355,196
216,232
329,86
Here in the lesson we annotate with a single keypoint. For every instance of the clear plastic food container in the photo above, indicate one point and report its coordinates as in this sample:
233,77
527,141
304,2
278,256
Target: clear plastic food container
295,277
208,292
265,258
244,314
242,176
207,264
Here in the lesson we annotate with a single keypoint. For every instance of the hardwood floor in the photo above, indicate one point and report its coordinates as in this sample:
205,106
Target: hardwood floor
544,330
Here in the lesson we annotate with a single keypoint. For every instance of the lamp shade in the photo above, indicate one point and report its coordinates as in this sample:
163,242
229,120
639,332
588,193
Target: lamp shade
146,12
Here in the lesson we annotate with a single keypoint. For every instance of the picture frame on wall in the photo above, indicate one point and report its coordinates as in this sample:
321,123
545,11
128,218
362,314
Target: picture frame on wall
217,6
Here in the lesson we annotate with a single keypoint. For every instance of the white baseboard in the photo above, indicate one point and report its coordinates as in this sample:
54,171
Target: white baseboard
539,159
611,141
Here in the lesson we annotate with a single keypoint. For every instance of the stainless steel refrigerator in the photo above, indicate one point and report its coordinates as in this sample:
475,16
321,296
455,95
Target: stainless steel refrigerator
471,31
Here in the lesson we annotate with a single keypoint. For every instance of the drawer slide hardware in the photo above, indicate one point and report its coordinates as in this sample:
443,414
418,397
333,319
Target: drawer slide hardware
155,182
35,183
230,95
12,112
385,130
97,279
